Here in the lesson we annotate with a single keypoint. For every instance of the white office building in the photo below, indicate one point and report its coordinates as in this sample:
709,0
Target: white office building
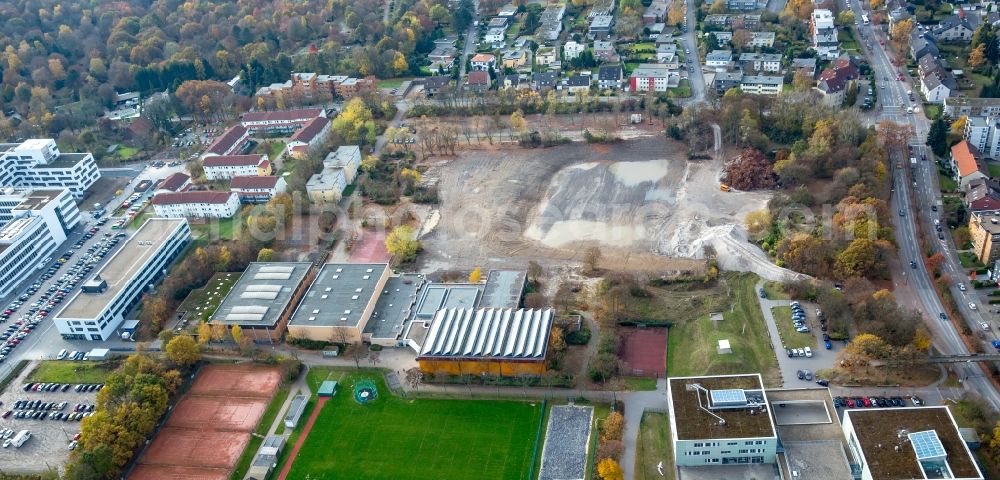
34,225
37,163
96,311
824,34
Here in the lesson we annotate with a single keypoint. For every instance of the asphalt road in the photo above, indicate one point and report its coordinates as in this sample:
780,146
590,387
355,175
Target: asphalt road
922,178
695,78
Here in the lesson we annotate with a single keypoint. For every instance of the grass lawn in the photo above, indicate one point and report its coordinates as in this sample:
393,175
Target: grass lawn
969,260
947,183
216,227
994,169
640,383
126,153
399,438
262,428
139,219
276,147
653,447
393,82
692,342
207,298
65,371
775,291
932,111
789,337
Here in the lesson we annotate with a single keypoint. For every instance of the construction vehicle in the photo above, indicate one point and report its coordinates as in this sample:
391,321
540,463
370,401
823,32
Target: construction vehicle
724,187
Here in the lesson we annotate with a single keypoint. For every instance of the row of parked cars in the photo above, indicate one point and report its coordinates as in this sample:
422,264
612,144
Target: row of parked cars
874,402
61,387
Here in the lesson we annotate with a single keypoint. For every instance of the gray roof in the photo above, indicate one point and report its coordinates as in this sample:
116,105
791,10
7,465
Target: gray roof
339,294
719,55
610,72
262,294
763,79
437,296
601,21
544,79
761,57
394,306
503,289
488,333
578,81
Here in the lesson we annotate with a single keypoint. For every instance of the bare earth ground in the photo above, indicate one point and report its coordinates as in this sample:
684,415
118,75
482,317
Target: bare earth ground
640,200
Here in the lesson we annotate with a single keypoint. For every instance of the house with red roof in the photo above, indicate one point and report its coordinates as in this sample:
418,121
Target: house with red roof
175,183
230,142
254,189
966,164
224,167
280,121
197,204
310,136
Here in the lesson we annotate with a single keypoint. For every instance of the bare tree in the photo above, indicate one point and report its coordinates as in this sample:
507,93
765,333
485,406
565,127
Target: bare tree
591,258
414,377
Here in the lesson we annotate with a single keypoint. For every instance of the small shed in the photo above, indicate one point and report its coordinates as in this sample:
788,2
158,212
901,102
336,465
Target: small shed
970,437
724,347
328,388
716,317
295,410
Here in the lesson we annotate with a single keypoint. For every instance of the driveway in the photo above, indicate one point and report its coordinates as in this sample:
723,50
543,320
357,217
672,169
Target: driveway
821,358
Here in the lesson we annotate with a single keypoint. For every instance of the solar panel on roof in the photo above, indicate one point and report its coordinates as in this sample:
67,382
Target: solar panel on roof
927,445
729,397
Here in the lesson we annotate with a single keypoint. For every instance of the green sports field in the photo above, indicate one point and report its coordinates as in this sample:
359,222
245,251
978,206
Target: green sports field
398,438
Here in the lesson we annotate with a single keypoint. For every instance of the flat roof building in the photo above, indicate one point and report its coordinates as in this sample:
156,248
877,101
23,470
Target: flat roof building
904,443
32,226
393,309
504,289
96,310
263,299
339,303
38,163
721,420
504,342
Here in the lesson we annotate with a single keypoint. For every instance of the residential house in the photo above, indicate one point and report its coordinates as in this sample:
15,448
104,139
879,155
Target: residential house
719,20
604,51
544,81
666,53
327,186
983,133
937,85
495,36
433,85
198,204
922,45
347,157
232,141
723,38
280,122
508,11
610,76
478,81
254,189
174,183
761,62
224,167
984,229
483,61
956,107
498,22
310,136
652,77
762,84
546,56
761,39
517,81
517,58
572,50
443,55
965,164
550,23
954,28
824,34
600,27
805,65
724,81
578,83
745,5
720,59
655,12
835,80
982,194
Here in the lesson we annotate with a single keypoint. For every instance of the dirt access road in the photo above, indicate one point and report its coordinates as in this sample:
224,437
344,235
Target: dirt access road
640,200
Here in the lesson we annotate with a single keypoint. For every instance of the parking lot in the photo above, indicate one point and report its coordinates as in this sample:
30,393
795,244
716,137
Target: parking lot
48,446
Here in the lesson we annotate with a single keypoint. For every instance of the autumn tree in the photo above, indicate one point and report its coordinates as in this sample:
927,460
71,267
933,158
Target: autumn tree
476,275
355,124
402,243
845,18
183,350
535,271
517,121
977,57
876,4
758,222
237,333
613,427
859,259
218,332
204,333
608,469
958,126
750,171
265,255
901,31
676,12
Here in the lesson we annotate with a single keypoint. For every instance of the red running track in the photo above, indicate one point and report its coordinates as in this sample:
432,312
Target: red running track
302,437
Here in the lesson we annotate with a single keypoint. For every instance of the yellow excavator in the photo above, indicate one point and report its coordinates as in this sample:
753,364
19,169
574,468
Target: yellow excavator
723,187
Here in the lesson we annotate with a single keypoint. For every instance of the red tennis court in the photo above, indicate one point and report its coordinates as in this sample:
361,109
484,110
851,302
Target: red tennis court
174,472
369,248
210,427
221,413
236,381
644,351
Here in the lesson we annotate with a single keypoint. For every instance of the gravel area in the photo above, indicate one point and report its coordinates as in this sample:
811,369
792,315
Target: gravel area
48,446
567,439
